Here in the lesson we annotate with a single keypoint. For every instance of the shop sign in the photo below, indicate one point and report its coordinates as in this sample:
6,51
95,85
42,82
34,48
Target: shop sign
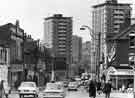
123,73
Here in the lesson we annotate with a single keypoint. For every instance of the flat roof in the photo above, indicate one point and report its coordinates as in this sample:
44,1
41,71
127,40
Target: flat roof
57,16
113,4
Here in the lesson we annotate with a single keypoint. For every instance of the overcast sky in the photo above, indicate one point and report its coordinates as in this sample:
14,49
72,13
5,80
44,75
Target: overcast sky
31,13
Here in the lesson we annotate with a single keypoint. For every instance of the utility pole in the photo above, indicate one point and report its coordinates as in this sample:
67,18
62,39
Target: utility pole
98,65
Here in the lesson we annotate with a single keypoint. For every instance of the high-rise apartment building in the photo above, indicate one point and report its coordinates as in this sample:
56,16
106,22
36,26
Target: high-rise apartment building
86,57
58,37
109,19
76,49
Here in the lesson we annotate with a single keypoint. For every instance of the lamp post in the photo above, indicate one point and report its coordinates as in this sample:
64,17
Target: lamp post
52,69
92,35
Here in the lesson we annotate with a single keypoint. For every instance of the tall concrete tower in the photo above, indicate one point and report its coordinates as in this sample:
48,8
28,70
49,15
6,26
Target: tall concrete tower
58,37
109,18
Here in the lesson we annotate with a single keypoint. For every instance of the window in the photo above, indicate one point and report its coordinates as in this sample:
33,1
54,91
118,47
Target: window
131,60
132,40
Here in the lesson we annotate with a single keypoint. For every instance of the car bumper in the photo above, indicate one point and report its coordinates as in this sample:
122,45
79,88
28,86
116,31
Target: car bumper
29,95
22,93
72,88
53,97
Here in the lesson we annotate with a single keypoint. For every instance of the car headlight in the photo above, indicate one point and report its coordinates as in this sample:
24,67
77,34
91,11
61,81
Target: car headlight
62,94
34,91
44,94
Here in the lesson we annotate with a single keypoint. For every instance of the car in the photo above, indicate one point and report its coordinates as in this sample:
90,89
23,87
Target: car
129,90
54,90
65,83
28,89
73,86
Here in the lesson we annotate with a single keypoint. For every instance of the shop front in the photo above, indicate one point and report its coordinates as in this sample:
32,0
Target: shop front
16,75
120,77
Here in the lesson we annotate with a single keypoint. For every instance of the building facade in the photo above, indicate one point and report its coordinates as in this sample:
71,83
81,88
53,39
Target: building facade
76,49
76,54
122,56
58,36
12,38
87,57
109,19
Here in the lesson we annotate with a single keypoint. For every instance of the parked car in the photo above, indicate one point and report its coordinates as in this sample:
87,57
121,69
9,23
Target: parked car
28,89
54,90
73,86
65,83
129,90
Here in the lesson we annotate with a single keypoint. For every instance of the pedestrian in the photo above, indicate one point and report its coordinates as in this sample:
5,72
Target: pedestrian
92,88
107,89
35,79
29,78
1,88
2,93
123,88
99,90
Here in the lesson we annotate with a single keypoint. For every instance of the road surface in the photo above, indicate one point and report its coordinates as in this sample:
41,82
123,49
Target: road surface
81,93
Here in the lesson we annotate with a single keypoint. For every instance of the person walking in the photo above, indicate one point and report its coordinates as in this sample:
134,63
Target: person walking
107,89
2,92
99,90
1,88
92,88
123,88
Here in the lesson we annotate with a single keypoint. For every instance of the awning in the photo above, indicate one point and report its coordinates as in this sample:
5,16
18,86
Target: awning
116,72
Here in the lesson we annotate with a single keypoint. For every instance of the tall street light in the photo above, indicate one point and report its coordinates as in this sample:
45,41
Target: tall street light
92,35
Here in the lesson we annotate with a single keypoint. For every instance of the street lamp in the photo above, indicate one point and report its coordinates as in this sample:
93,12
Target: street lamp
83,27
92,35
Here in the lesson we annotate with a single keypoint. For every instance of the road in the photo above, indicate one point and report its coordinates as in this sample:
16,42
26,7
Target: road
81,93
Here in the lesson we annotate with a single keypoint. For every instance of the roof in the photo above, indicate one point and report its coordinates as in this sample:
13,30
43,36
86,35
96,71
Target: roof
124,34
113,4
57,16
8,25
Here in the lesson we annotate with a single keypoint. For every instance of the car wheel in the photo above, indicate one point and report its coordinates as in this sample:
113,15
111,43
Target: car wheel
35,96
21,96
6,95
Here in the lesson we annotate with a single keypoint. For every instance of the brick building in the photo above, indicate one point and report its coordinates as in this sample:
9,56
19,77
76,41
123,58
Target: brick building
121,57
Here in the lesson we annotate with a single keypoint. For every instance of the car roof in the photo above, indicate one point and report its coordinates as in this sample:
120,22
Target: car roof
28,83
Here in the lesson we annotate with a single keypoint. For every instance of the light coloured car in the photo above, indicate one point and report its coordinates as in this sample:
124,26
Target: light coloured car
130,90
54,90
73,86
28,89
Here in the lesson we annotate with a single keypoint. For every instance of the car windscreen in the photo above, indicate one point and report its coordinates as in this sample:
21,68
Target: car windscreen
72,83
53,86
28,84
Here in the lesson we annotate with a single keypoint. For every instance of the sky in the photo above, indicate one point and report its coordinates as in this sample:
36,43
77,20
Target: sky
31,14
